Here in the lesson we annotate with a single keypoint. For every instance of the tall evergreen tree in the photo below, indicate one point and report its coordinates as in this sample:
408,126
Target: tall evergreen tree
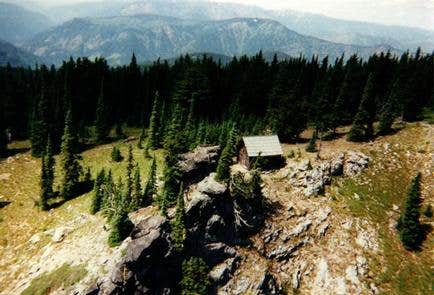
102,125
151,140
362,128
129,177
70,160
409,226
225,161
151,187
3,136
40,125
137,193
178,229
47,176
194,277
98,192
174,141
390,109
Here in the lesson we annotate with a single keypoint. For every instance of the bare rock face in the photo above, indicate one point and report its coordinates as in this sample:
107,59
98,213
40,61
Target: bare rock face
355,162
221,273
210,186
337,165
150,264
268,285
197,164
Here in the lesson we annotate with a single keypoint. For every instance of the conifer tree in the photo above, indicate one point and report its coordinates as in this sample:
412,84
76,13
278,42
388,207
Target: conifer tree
311,147
225,161
171,179
102,127
129,177
151,140
40,125
390,109
151,186
70,160
116,154
137,193
47,176
178,228
194,277
121,227
410,229
174,141
3,136
362,128
98,192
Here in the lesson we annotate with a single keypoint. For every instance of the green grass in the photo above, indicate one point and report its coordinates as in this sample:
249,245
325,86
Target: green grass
63,277
428,115
384,184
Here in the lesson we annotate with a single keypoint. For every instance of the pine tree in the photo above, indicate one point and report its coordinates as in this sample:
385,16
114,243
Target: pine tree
121,227
98,192
102,127
137,193
71,167
178,228
311,147
256,189
171,179
362,128
390,109
129,177
3,136
151,140
174,141
151,186
194,277
47,176
225,161
409,226
40,125
116,154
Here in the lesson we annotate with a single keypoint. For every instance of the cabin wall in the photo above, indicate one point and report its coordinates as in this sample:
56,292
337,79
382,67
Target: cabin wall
243,157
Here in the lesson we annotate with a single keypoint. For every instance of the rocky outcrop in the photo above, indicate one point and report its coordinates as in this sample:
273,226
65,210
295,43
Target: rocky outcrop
268,285
314,179
221,273
150,265
197,164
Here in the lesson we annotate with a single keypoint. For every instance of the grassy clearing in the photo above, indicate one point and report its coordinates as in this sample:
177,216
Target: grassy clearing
20,220
373,195
63,277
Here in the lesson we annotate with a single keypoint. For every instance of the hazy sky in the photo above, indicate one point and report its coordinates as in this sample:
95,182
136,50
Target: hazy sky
403,12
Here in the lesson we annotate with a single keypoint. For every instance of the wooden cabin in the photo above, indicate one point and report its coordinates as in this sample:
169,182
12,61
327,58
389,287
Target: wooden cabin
267,147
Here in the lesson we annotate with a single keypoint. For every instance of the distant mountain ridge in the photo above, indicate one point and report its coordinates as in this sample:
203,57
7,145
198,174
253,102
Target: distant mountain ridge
16,57
320,26
152,36
18,24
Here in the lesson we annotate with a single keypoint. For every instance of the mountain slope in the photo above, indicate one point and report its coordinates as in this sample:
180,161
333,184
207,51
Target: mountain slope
18,24
16,56
331,29
151,37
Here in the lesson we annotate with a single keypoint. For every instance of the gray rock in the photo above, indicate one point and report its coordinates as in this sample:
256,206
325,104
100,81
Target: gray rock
337,165
197,164
300,227
210,186
221,273
241,286
59,234
215,227
355,163
215,253
268,285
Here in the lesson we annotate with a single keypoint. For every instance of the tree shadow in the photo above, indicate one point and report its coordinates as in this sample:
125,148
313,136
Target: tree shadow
333,136
10,152
4,204
57,200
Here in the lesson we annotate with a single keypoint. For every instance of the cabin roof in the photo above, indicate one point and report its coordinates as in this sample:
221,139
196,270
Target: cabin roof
267,146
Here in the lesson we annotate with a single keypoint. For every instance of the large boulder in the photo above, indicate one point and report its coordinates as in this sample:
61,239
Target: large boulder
210,186
150,265
195,165
355,163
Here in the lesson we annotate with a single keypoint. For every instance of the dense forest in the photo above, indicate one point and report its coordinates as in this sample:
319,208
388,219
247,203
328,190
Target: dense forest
204,98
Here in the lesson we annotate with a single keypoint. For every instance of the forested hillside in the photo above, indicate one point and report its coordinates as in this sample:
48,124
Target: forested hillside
283,97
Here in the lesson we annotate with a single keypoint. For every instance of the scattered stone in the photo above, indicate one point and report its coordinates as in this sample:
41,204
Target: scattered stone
59,234
241,286
351,274
337,165
300,228
367,240
355,163
5,176
35,238
322,230
341,286
395,207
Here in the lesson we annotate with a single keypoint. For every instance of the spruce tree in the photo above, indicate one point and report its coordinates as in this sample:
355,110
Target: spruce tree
121,227
311,147
129,177
151,186
178,229
390,109
137,193
362,128
151,140
102,127
40,126
47,176
70,160
116,154
174,141
410,229
194,277
225,161
98,192
171,180
3,136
